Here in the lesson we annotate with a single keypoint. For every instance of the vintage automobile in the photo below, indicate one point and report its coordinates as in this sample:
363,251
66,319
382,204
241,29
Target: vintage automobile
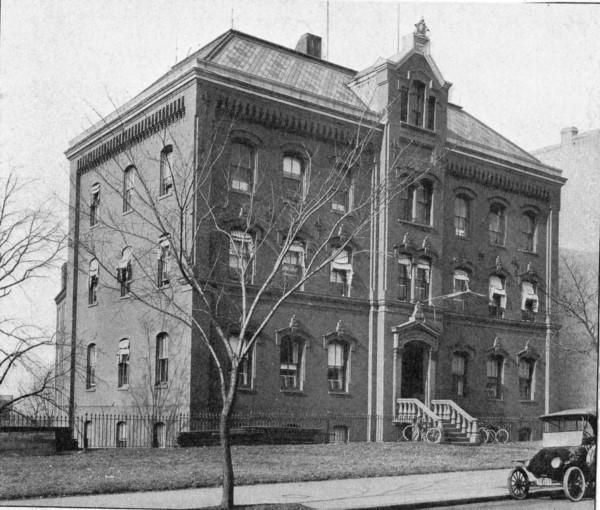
567,460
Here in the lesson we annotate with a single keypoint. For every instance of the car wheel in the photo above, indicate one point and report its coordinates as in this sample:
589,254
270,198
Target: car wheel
434,435
574,483
518,483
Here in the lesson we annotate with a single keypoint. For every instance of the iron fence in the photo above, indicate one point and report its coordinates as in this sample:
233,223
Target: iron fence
105,430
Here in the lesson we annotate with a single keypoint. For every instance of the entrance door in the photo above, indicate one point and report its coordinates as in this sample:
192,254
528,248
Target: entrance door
413,371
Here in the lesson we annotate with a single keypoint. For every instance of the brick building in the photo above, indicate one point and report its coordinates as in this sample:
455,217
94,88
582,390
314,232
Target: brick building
437,309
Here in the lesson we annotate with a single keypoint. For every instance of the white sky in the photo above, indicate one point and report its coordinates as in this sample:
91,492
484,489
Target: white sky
527,70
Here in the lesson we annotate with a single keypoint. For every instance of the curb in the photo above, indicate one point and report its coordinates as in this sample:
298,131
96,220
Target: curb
430,504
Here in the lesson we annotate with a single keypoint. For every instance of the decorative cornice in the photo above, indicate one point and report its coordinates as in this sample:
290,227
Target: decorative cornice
273,118
491,178
161,118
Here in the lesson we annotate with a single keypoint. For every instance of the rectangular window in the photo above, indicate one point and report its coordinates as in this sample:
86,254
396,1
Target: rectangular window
497,225
404,269
403,104
406,198
162,359
164,262
461,284
422,282
525,379
342,198
128,186
245,373
240,251
341,272
241,168
293,177
289,371
94,204
293,264
90,376
336,366
418,103
461,217
123,363
166,172
93,279
494,377
431,113
424,202
459,374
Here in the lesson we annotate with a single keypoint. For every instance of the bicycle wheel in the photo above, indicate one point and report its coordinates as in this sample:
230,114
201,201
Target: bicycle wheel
502,436
484,436
491,436
433,435
411,433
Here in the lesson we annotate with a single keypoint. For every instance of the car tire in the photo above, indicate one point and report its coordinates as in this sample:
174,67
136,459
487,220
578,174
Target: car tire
518,483
574,484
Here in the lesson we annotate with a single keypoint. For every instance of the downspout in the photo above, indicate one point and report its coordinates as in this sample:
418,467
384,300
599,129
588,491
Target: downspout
548,309
74,303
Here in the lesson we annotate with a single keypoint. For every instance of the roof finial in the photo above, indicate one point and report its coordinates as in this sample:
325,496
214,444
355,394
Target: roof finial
421,27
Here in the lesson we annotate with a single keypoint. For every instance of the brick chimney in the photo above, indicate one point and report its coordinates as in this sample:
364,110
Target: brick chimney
567,134
309,44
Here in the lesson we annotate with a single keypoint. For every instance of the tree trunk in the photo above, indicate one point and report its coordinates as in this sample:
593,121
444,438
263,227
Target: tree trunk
228,478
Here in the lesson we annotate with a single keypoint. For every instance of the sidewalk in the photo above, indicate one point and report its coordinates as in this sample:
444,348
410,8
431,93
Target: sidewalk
399,491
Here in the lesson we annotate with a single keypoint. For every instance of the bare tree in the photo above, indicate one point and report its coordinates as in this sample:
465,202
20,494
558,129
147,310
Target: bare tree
576,302
30,243
257,233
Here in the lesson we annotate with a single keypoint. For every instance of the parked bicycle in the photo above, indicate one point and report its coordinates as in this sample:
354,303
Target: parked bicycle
419,431
492,434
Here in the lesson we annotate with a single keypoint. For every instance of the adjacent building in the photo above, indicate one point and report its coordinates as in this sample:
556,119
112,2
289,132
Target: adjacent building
439,307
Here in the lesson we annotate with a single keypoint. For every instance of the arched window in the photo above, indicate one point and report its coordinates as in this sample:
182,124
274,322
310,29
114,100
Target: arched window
291,363
422,280
404,278
241,167
90,371
529,231
125,271
416,202
246,366
461,284
162,359
166,171
159,435
123,363
462,216
459,374
494,369
497,296
121,434
338,353
526,378
94,204
293,264
293,177
93,280
497,224
341,271
128,188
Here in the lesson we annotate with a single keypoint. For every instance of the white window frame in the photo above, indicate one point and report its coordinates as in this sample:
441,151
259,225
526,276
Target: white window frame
93,282
296,249
123,359
406,262
165,171
241,248
94,204
90,372
338,360
236,182
497,289
125,271
342,271
532,365
128,188
462,204
162,359
165,258
298,346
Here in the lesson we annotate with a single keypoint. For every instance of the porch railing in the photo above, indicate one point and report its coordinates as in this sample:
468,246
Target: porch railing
449,411
409,409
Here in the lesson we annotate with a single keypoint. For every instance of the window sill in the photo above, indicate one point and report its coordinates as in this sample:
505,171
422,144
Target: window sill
528,252
127,212
240,192
339,212
421,129
161,385
503,246
462,238
94,226
91,390
495,399
529,402
339,393
426,226
165,196
126,296
292,393
92,305
246,389
125,387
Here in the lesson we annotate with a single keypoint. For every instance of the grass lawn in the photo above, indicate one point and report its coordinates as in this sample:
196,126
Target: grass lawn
127,470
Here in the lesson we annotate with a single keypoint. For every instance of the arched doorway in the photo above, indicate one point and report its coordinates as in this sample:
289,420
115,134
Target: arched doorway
415,358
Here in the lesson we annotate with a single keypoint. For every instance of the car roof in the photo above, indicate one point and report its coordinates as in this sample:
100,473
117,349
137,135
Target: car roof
570,413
